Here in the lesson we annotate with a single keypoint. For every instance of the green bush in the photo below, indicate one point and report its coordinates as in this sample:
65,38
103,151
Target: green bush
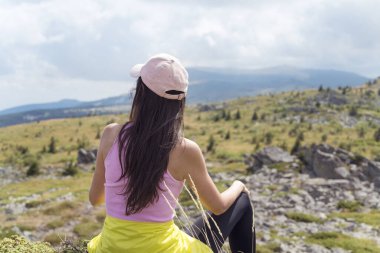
352,206
71,169
303,217
19,244
339,240
34,169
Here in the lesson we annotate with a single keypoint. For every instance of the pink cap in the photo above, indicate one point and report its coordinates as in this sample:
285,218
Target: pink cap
162,73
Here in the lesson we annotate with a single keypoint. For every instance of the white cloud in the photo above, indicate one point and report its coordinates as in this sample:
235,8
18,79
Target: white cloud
48,46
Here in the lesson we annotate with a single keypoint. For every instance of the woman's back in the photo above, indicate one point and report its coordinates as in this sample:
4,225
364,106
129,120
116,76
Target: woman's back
156,160
115,201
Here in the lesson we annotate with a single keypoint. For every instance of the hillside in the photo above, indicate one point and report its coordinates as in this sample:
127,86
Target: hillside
311,207
207,85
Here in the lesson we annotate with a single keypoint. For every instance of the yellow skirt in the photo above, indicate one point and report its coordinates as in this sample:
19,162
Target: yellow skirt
118,236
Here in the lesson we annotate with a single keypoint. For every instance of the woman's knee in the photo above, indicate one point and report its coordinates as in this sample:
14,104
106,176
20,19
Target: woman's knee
244,201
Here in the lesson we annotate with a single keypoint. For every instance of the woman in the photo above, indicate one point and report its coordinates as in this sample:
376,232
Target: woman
141,168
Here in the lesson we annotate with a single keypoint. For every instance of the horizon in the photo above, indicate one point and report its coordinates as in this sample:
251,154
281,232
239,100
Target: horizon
209,68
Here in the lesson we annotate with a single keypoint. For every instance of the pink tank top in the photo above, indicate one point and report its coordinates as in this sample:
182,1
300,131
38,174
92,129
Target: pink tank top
160,211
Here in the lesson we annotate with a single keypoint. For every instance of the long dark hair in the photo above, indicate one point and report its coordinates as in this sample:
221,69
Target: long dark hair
144,146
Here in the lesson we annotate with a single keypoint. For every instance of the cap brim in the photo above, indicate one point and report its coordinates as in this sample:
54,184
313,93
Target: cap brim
135,70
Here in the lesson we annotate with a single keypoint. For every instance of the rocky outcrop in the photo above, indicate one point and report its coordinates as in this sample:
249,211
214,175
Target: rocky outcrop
328,97
335,163
267,156
86,156
276,193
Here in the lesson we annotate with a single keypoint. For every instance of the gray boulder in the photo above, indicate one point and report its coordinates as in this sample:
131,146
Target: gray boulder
86,156
328,165
267,156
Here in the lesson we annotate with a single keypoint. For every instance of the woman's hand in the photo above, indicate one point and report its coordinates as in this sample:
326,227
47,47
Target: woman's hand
243,187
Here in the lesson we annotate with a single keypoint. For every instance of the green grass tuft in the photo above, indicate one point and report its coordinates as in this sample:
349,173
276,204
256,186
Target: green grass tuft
336,239
303,217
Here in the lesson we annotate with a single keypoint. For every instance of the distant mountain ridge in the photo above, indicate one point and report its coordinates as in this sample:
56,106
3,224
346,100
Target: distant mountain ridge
206,85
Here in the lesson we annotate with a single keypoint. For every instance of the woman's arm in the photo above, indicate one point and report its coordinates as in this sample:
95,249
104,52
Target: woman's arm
209,195
96,193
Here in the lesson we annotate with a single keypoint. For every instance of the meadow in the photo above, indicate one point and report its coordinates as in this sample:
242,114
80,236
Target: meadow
52,190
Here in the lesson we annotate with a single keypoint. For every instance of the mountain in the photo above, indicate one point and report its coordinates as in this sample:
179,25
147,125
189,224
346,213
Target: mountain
64,103
220,84
206,85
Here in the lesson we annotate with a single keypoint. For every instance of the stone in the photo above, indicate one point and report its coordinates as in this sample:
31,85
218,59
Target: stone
342,172
324,165
86,156
376,182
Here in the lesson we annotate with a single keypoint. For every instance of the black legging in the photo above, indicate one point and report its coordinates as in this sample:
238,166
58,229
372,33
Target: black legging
236,224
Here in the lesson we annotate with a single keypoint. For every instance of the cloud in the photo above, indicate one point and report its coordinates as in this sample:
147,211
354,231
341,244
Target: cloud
48,46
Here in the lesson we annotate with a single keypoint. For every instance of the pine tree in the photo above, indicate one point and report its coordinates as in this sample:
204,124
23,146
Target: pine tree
237,115
377,135
296,146
97,134
211,144
353,111
254,116
227,136
52,145
228,116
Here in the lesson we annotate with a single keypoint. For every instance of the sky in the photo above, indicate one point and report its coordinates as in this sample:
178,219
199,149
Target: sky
52,50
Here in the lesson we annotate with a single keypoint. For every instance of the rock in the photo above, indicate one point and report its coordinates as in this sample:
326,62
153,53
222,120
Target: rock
15,208
325,164
342,172
376,182
86,156
268,156
339,250
330,97
373,169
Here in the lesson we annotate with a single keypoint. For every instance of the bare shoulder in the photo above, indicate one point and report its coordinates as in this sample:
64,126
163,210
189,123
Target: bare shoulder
186,156
110,131
190,154
109,134
189,147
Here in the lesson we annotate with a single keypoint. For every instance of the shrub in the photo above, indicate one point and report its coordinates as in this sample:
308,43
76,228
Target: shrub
296,146
339,240
19,244
34,169
376,136
71,169
227,136
83,142
52,145
268,138
353,111
211,144
237,114
303,217
254,116
97,134
352,206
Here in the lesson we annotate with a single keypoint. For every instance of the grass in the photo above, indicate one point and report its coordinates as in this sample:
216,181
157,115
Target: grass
352,206
336,239
270,247
70,133
303,217
55,224
57,209
87,228
227,156
371,218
